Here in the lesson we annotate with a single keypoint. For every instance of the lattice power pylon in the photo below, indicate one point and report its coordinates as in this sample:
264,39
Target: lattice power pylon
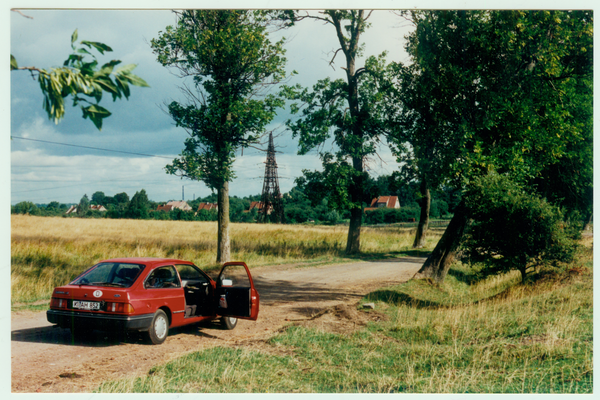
271,209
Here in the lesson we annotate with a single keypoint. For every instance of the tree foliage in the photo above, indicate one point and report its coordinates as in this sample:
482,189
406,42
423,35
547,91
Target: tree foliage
507,96
82,78
84,206
349,112
138,206
230,60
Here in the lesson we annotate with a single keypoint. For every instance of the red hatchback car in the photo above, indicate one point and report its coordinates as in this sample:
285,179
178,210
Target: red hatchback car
153,295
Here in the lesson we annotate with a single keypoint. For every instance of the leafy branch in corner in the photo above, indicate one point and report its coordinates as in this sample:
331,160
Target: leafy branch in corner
82,78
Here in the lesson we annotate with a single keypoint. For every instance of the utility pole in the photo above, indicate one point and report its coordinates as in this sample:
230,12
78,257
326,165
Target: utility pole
272,204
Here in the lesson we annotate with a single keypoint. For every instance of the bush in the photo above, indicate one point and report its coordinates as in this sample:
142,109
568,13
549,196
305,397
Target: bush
513,229
25,207
391,215
439,208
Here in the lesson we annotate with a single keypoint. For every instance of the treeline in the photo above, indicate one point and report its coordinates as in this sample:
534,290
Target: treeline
298,208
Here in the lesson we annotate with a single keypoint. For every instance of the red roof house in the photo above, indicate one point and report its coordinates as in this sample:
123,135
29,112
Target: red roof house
208,206
259,206
384,202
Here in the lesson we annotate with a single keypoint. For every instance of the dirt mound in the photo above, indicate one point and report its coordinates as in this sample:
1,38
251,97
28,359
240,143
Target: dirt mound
342,318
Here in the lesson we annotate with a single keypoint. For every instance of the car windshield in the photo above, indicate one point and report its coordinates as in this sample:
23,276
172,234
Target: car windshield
110,274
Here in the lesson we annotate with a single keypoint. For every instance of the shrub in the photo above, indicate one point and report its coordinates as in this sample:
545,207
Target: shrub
391,215
512,228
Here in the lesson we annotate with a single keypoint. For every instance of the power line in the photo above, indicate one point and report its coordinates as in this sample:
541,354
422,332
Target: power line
89,147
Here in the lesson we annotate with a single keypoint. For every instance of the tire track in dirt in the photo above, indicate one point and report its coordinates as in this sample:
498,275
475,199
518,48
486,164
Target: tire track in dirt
44,358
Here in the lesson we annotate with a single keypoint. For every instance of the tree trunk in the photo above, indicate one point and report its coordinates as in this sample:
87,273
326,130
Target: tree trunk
588,222
223,247
353,243
425,204
356,214
438,263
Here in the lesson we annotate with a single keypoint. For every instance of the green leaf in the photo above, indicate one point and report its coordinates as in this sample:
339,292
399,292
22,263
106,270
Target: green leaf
108,86
123,86
96,114
125,69
13,63
101,47
134,80
84,51
107,68
74,37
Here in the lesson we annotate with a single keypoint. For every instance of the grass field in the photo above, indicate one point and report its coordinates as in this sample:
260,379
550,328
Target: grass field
48,252
468,335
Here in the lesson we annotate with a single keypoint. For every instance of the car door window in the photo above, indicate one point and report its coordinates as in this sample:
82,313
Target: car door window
234,276
163,277
191,275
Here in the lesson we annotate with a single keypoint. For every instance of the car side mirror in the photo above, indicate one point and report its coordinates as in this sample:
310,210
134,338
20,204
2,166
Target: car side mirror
226,282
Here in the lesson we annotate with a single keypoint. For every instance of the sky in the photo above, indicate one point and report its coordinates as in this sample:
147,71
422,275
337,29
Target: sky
70,166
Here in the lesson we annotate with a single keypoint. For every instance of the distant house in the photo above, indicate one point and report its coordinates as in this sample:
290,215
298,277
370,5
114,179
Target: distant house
73,209
383,202
208,206
171,205
258,205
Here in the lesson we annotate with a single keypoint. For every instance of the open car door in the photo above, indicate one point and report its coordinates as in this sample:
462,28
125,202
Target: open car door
235,294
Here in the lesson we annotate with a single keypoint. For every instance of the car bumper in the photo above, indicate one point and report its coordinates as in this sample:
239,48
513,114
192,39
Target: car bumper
67,319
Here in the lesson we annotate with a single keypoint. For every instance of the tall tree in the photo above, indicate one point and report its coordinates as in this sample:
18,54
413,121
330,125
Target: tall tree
138,206
423,117
83,206
84,80
231,61
349,111
505,83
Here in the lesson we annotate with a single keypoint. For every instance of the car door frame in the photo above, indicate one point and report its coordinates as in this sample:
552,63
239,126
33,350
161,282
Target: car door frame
239,294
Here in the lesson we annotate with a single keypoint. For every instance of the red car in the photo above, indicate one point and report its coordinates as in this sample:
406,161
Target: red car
153,295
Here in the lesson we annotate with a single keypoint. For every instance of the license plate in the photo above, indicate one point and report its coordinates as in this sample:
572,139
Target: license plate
86,305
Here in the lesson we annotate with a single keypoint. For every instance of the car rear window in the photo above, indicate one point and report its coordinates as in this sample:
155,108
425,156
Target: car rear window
110,274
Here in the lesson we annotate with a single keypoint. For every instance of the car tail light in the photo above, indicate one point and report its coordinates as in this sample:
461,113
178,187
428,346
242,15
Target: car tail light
119,307
58,303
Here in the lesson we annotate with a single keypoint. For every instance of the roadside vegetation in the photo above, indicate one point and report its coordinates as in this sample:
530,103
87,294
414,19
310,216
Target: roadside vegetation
468,335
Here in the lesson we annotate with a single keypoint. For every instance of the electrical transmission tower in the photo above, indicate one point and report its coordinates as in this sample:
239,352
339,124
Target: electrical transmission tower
272,204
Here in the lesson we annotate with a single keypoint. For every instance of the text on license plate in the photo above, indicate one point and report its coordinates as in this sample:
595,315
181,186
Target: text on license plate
86,305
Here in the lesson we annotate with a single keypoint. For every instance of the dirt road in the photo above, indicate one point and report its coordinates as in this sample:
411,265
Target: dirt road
44,358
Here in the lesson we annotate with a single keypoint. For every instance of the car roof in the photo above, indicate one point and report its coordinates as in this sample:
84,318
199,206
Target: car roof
147,260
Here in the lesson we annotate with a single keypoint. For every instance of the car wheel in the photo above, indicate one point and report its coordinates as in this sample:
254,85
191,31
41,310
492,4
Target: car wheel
159,329
228,322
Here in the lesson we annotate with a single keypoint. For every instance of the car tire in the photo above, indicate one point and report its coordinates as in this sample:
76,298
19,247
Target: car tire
228,322
159,328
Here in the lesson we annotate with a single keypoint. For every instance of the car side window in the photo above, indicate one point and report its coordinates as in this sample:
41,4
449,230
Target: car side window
163,277
190,275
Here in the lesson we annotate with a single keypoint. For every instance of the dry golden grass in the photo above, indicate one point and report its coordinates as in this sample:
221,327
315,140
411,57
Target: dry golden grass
47,252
